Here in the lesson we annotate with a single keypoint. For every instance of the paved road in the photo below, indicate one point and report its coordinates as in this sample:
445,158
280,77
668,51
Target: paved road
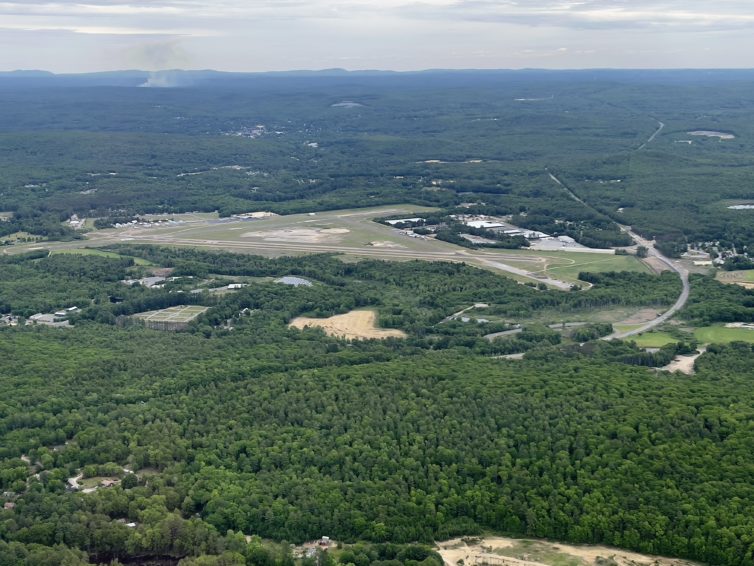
679,304
681,271
654,135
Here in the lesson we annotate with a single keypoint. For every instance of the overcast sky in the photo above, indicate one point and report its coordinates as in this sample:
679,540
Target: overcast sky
259,35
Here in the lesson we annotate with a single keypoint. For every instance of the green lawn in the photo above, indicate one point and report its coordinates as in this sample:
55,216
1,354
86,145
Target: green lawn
596,263
101,253
721,334
653,339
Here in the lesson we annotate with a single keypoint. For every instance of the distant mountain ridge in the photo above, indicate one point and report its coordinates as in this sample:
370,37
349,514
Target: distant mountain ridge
186,78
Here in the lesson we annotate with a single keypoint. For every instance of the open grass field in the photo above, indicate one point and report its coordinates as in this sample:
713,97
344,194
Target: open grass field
653,339
354,325
180,314
101,253
722,335
566,265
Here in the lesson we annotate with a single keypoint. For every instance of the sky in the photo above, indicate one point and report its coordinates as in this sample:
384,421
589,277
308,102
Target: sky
263,35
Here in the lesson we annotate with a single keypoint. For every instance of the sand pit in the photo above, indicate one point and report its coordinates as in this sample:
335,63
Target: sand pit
300,235
503,551
685,364
713,134
354,325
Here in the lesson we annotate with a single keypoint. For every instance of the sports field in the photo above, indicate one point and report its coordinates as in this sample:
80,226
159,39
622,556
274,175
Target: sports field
723,335
180,314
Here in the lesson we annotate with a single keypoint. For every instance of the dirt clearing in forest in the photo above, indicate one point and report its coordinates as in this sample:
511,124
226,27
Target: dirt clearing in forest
644,315
503,551
354,325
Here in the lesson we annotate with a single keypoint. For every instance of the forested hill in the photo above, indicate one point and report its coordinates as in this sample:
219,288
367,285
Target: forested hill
243,426
481,141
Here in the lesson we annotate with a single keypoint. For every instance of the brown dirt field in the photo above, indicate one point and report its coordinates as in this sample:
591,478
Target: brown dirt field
684,364
734,278
656,265
354,325
503,551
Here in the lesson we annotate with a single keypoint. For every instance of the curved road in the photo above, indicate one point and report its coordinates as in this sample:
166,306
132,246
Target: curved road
681,271
679,304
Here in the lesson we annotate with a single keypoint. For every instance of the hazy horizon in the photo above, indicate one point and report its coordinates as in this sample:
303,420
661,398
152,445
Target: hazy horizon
400,35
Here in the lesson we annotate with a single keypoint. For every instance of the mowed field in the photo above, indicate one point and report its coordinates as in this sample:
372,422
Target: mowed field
717,334
100,253
568,265
354,325
723,334
353,233
653,339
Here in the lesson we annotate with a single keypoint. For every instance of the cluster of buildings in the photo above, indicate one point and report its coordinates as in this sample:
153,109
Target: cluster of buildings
152,282
76,223
146,223
252,133
500,226
8,320
56,319
254,215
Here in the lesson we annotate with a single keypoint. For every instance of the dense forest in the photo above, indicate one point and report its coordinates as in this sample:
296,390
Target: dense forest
290,435
287,144
237,437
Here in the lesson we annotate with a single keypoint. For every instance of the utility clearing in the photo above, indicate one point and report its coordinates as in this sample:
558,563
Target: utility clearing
354,325
503,551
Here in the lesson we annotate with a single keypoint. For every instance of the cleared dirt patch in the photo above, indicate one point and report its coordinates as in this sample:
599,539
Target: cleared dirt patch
503,551
743,278
644,315
354,325
713,134
685,364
